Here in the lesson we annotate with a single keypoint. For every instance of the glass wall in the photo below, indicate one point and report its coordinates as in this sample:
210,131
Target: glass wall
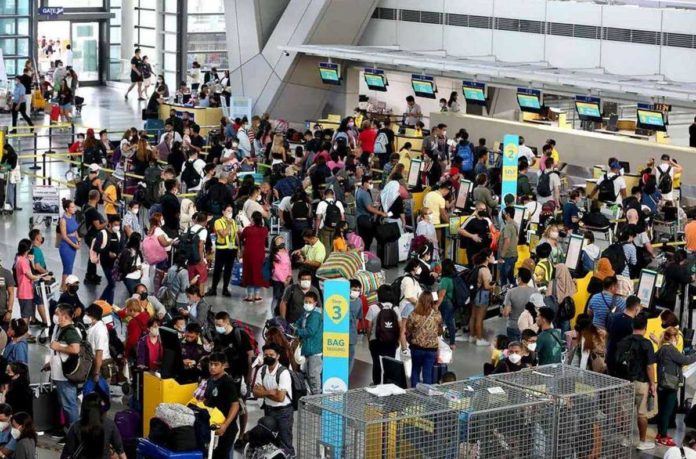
206,38
116,67
15,33
145,19
170,42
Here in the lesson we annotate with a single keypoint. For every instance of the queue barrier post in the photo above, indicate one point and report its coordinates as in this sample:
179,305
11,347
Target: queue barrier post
35,166
50,139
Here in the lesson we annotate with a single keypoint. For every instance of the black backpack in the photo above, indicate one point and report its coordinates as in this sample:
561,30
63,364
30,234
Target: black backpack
617,257
332,215
665,185
152,178
472,282
82,189
188,246
387,331
299,388
461,291
606,188
544,185
190,175
628,359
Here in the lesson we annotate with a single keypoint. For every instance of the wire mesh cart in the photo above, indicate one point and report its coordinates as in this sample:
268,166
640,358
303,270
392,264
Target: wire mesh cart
359,425
594,414
499,421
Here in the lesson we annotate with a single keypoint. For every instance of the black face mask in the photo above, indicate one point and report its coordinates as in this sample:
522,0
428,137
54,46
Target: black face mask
143,296
72,289
267,360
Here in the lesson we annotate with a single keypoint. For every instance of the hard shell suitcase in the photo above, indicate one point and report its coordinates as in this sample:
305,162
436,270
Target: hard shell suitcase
439,370
55,113
45,406
388,252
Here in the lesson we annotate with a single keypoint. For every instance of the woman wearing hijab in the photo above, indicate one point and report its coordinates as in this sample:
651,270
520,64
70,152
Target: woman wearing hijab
392,203
603,271
561,287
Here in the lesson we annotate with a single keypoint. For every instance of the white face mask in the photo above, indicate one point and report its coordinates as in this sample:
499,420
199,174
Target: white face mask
135,211
553,235
116,229
351,124
228,215
515,358
531,347
15,433
330,200
154,332
87,320
370,186
309,307
418,271
305,284
4,425
55,319
354,294
220,330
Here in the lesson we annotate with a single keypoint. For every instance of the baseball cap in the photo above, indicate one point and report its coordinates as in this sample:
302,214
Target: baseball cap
537,300
72,279
94,168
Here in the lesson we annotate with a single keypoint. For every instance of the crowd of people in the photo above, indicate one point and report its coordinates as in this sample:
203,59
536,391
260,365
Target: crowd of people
202,210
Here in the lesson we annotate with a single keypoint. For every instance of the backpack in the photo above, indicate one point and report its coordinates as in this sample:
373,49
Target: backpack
122,265
665,185
381,143
465,152
332,215
82,189
152,178
188,245
299,388
238,327
472,281
190,175
77,367
153,252
461,291
617,257
628,359
544,185
82,225
387,331
606,189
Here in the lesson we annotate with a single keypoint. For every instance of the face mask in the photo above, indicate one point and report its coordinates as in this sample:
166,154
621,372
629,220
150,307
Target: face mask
481,213
154,332
72,289
329,200
268,360
280,246
220,330
55,319
259,199
135,211
162,220
309,307
354,294
418,271
442,105
305,284
180,329
143,296
351,124
228,215
553,235
15,433
370,186
531,347
116,229
87,320
514,358
664,326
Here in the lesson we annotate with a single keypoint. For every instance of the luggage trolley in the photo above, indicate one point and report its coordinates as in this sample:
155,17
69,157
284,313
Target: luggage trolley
47,291
604,235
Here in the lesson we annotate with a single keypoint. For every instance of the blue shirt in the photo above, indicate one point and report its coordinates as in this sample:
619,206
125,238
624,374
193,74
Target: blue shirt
570,210
601,305
19,93
7,440
363,199
17,352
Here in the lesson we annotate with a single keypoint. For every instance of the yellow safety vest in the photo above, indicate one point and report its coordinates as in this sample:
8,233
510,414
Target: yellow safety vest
229,242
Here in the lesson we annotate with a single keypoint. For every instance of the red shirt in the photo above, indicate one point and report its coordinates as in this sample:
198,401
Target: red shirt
367,140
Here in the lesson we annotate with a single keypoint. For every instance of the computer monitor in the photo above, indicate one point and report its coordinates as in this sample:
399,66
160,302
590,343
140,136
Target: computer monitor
651,120
474,93
529,100
172,361
423,86
574,252
330,73
375,79
647,284
588,108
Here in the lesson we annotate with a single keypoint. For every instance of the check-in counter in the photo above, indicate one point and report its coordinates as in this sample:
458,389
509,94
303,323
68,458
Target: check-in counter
416,142
582,148
202,116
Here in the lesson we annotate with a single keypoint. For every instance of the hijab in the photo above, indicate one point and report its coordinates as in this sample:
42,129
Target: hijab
564,286
389,194
604,269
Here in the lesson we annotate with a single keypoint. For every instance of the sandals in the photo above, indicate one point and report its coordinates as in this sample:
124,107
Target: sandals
256,299
249,300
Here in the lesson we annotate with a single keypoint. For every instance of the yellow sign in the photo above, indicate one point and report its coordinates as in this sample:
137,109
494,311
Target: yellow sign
336,345
2,144
337,308
510,152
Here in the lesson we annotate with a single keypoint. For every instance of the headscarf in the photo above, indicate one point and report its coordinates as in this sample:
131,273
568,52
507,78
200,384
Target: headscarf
389,194
186,214
604,269
563,284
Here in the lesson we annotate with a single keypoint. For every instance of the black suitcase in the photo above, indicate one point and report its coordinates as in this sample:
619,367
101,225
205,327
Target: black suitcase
439,370
389,254
45,406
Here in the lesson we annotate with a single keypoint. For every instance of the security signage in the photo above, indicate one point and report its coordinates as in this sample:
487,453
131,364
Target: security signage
510,154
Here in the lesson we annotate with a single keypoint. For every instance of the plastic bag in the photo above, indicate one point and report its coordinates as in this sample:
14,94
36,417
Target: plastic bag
444,352
405,357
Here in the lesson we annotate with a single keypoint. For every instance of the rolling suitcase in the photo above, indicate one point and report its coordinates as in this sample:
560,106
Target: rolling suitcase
45,406
388,252
439,370
55,113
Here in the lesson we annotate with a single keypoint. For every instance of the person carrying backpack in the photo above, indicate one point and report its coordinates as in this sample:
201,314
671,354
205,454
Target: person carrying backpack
611,187
465,151
192,174
192,246
310,329
383,329
664,175
549,186
329,213
636,362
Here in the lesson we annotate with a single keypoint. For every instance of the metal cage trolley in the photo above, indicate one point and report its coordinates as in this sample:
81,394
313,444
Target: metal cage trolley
593,413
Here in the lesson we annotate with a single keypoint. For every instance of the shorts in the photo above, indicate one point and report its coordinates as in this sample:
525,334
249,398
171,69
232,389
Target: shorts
202,270
26,308
67,107
641,400
134,77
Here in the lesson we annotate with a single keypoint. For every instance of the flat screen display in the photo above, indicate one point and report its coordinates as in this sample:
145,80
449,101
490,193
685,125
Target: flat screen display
464,190
375,82
474,93
646,286
651,119
529,102
330,73
423,88
413,173
574,251
588,111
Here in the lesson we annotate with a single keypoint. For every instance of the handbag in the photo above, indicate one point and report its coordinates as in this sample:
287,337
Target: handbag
387,232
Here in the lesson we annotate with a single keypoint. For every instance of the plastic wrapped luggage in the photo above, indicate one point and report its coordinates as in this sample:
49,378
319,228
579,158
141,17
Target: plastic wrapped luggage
340,265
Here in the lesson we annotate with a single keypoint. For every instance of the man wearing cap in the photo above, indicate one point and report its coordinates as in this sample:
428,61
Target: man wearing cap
93,177
69,296
112,193
614,175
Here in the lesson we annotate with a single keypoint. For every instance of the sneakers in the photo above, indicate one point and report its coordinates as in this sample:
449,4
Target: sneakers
482,342
665,441
645,445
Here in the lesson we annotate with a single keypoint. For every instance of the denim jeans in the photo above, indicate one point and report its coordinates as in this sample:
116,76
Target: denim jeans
315,364
253,292
507,272
667,405
67,398
423,360
447,311
108,293
284,418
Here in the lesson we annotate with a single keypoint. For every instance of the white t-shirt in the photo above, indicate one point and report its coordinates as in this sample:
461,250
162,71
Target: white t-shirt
160,232
659,172
527,153
269,383
177,137
372,314
98,337
675,453
554,184
203,235
198,166
619,184
533,211
285,204
410,288
250,207
69,58
321,210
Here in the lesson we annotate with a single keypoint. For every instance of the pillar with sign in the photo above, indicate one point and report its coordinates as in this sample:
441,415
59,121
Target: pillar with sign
335,370
510,153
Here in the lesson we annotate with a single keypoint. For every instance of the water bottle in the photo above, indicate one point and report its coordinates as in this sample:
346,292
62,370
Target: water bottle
651,402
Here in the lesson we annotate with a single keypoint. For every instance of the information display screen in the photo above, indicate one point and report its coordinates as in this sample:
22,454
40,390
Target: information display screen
650,119
474,92
330,73
529,102
375,82
423,88
588,111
